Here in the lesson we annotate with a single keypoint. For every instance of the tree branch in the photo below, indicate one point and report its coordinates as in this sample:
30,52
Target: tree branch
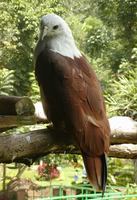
123,130
27,147
128,151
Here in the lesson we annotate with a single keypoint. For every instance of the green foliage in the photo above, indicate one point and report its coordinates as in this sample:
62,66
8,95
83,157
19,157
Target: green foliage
77,26
120,172
122,94
34,92
6,81
115,36
131,189
97,38
19,28
123,99
127,17
62,159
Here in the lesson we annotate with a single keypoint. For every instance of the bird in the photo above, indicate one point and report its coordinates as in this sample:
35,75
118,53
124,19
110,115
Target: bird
71,95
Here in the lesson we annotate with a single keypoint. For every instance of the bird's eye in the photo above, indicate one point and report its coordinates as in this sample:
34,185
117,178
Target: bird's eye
55,27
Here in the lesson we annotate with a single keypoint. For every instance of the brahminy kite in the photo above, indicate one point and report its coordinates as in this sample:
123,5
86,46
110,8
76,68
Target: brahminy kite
71,95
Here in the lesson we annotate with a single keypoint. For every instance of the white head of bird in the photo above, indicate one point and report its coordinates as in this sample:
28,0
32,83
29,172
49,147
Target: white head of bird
57,36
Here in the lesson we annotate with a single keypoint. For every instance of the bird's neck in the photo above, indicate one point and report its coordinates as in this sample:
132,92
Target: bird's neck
63,45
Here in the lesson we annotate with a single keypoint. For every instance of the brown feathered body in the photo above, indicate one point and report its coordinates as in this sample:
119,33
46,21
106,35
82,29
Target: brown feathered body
72,97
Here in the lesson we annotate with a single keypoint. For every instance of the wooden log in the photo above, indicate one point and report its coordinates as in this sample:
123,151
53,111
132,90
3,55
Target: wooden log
15,111
25,148
12,105
14,121
18,111
8,122
128,151
123,130
7,105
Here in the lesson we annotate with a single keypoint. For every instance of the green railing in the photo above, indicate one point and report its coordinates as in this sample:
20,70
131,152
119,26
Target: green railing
84,193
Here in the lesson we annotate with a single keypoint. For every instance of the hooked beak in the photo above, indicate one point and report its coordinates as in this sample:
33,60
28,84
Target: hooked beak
45,31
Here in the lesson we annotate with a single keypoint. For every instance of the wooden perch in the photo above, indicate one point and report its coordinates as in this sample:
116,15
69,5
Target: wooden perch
18,111
123,151
14,121
25,148
12,105
123,130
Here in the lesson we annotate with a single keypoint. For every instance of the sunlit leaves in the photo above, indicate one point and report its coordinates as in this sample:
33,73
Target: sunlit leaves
6,81
97,37
19,24
123,99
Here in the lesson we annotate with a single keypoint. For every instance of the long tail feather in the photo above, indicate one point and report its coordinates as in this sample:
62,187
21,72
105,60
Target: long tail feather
104,173
96,168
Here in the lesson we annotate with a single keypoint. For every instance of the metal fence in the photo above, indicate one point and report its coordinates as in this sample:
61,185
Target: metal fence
83,193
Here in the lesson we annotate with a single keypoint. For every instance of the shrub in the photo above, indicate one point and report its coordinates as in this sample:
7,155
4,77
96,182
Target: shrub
48,171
